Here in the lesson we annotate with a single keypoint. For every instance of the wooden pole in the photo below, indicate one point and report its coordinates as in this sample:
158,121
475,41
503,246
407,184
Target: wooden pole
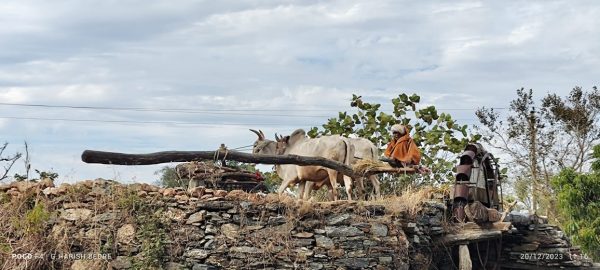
464,258
92,156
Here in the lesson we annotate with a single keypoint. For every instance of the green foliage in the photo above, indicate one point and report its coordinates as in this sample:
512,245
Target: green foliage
437,134
272,181
152,235
36,218
579,206
169,178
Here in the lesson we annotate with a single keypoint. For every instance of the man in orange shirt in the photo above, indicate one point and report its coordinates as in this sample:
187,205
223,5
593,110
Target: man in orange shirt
402,150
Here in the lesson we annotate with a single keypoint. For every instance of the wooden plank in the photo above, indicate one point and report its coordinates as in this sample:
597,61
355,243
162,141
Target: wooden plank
471,232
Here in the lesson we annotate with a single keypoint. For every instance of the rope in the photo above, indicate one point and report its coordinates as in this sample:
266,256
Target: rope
245,146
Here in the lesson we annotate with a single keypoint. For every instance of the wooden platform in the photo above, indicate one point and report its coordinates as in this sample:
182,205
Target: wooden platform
471,232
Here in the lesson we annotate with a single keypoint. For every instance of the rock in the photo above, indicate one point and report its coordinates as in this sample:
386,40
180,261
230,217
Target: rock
278,220
75,205
245,249
196,254
344,231
303,242
354,263
304,235
23,186
526,247
315,266
335,253
343,219
169,192
126,234
51,191
211,229
105,217
174,266
385,260
324,242
182,198
196,217
175,214
121,262
196,192
204,267
76,214
86,264
215,205
230,231
221,193
379,229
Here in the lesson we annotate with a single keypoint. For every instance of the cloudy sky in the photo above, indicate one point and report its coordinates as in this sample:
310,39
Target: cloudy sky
147,76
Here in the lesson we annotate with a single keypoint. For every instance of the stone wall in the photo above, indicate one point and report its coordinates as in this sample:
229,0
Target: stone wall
140,226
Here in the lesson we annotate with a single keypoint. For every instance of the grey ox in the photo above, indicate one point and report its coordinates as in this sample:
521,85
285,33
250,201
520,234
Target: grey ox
332,147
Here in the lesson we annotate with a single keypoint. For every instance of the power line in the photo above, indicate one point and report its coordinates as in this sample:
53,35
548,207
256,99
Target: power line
142,122
209,111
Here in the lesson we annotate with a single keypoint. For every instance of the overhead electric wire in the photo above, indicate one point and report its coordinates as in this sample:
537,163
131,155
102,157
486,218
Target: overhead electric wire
141,122
171,110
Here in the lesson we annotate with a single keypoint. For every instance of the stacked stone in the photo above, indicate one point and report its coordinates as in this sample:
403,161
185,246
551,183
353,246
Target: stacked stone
534,242
241,234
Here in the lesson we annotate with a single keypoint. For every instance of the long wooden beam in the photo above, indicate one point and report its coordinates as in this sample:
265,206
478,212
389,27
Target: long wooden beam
92,156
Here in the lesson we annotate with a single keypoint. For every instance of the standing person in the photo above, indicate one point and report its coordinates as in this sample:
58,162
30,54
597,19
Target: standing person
402,150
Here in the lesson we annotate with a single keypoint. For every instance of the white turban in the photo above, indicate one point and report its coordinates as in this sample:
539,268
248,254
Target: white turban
399,128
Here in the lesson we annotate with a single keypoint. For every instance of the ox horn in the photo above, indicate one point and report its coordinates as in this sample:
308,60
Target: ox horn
260,135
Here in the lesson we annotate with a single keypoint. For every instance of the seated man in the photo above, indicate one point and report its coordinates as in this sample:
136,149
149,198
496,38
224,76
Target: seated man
401,150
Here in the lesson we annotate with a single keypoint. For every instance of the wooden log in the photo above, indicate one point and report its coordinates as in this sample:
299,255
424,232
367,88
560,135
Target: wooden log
464,258
92,156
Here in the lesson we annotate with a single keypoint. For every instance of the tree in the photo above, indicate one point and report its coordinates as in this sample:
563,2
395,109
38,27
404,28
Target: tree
439,137
8,161
579,205
577,116
528,139
169,178
559,135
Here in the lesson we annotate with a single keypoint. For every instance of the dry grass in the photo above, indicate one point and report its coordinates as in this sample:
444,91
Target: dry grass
363,166
411,200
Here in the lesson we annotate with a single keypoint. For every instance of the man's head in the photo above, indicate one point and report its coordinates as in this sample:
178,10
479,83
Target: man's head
398,130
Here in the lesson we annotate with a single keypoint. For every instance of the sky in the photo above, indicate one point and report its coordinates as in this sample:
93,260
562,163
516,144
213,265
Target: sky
148,76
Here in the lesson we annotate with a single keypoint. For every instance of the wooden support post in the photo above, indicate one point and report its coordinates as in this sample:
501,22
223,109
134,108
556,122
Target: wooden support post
464,258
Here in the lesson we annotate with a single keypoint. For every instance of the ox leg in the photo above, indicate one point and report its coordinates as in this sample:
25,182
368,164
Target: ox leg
348,186
333,182
283,186
308,187
361,188
376,186
301,189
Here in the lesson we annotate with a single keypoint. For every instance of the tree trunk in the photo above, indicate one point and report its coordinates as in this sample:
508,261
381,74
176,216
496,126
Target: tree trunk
91,156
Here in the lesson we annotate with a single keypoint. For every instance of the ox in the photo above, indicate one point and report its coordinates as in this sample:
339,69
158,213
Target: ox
332,147
364,149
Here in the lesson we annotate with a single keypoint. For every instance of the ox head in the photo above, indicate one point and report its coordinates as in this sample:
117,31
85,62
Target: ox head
262,145
282,143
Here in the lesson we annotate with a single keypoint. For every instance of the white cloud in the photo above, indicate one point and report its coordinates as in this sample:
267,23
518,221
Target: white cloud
255,55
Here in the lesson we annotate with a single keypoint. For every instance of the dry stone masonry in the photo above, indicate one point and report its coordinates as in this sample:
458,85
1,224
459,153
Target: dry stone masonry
141,226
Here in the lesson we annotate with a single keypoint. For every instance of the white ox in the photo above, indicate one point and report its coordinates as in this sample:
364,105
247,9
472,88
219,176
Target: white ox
331,147
364,149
